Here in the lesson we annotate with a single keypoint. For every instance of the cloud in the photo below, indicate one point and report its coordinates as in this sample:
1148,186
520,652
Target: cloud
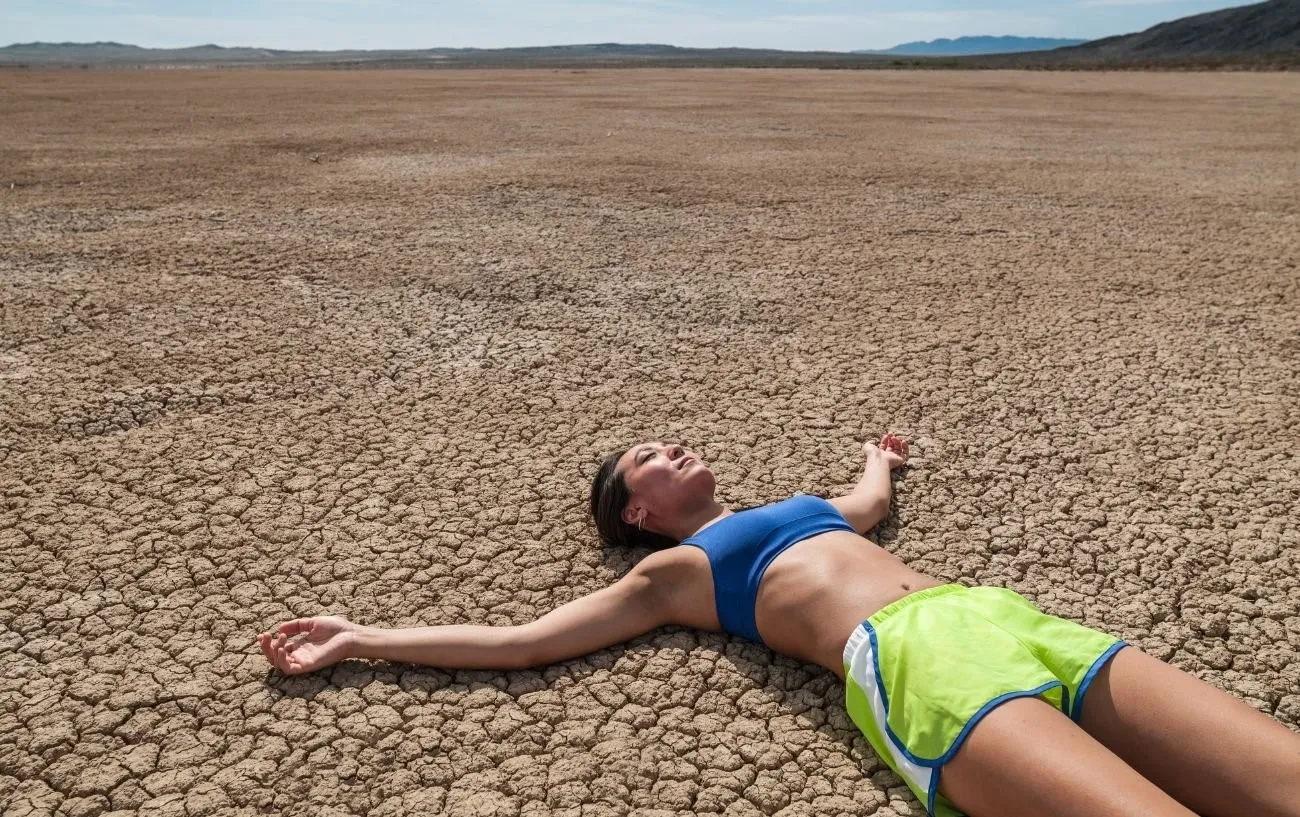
1131,2
913,17
931,23
352,3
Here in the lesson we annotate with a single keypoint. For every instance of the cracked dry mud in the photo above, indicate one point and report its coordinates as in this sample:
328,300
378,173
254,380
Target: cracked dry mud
278,344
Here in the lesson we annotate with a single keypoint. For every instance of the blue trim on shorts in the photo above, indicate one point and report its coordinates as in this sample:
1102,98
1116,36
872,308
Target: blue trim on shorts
875,660
970,724
984,710
1092,673
933,793
938,764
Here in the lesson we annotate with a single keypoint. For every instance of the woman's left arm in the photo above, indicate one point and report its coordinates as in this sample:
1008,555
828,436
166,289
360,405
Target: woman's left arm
868,504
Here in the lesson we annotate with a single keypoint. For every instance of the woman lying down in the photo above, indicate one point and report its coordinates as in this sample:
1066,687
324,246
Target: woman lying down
983,704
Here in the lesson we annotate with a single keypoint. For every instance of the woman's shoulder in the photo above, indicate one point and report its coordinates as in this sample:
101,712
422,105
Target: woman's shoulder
678,566
795,500
798,497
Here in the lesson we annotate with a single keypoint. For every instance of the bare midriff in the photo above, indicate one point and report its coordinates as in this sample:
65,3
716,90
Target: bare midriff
816,592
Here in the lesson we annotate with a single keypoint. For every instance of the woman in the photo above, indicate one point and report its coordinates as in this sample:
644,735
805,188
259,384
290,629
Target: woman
974,697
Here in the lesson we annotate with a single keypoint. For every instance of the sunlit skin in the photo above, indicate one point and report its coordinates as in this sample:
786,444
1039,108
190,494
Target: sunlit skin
672,494
672,490
1152,740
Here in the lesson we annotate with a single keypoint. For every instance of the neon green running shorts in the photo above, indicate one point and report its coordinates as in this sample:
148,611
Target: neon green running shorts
921,672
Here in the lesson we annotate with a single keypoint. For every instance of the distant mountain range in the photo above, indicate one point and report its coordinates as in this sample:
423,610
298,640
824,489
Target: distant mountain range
586,55
1265,35
976,45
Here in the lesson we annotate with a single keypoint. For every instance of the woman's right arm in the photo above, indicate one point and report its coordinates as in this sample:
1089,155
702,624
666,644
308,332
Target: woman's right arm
449,645
632,606
309,644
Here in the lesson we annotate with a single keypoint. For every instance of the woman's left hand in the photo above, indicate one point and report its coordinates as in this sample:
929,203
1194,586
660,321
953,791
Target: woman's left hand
892,447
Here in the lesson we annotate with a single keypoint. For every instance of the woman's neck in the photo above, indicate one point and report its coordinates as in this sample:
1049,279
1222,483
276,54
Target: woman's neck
688,524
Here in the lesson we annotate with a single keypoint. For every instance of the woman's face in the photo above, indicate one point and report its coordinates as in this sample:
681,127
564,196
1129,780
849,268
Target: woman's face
661,478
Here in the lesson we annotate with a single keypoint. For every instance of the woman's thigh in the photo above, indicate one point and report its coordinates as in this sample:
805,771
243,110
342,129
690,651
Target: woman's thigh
1027,758
1213,752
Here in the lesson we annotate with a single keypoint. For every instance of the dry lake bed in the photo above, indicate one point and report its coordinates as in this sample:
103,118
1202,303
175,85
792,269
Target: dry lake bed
279,343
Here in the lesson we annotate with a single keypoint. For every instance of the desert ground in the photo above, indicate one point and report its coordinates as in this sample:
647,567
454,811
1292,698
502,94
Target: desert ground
275,344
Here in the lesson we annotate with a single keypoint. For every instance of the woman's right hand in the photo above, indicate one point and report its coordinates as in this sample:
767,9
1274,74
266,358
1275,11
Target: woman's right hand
893,448
325,640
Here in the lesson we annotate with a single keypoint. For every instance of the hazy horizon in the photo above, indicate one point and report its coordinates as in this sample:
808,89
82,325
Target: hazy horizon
794,25
540,45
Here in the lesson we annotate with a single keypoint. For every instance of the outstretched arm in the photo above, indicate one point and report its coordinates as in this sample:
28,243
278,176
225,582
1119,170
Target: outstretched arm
309,644
634,605
869,501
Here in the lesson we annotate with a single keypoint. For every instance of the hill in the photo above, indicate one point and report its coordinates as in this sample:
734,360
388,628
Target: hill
1272,27
977,45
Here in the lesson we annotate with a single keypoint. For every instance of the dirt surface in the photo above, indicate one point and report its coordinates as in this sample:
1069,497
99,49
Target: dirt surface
278,344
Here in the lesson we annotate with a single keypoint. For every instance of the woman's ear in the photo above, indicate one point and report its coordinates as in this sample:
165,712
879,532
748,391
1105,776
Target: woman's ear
633,515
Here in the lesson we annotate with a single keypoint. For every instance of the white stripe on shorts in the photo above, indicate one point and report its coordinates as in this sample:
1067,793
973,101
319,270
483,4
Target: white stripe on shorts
859,654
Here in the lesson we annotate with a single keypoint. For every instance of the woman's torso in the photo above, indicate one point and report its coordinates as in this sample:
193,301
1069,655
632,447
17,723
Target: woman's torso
811,596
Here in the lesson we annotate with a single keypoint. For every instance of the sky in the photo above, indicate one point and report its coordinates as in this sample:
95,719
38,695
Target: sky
796,25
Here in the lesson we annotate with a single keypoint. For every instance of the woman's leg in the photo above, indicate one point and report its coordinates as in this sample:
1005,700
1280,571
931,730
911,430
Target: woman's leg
1213,752
1027,758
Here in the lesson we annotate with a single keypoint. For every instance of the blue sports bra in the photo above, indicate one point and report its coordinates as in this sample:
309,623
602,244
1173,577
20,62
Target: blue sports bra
742,545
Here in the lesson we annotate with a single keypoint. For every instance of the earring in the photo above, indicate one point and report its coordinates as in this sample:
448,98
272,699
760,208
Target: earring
638,526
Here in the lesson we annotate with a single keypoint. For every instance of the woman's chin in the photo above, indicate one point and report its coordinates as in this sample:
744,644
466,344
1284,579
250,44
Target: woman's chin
701,479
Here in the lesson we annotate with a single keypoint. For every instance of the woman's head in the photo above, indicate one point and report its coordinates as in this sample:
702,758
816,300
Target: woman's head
638,491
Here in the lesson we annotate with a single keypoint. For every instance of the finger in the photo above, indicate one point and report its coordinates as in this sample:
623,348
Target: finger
268,648
298,625
281,651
